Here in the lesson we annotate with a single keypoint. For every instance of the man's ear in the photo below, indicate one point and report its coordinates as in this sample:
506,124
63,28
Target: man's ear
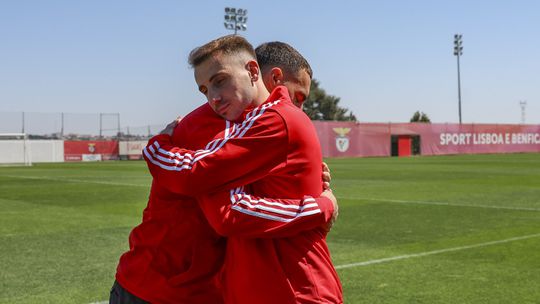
277,76
254,71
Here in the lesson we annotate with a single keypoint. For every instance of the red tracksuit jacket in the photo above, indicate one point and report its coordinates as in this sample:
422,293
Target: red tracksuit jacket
174,254
275,149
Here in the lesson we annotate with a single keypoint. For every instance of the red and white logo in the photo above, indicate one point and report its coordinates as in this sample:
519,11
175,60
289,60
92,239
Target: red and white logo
342,141
91,148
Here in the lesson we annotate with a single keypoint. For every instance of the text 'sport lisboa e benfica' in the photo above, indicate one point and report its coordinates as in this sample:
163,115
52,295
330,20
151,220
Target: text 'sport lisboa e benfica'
350,139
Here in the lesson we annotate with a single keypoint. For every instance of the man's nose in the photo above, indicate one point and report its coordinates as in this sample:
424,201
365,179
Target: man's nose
214,100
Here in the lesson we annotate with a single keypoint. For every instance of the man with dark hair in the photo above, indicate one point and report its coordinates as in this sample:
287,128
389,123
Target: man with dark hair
174,254
281,64
269,145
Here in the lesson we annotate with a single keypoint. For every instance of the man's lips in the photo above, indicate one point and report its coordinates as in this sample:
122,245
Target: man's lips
222,110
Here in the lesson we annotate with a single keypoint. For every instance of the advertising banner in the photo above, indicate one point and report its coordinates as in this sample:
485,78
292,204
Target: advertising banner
90,150
349,139
132,149
440,139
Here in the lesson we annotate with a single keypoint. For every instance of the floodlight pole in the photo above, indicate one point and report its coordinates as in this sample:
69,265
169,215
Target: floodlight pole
235,19
459,90
458,51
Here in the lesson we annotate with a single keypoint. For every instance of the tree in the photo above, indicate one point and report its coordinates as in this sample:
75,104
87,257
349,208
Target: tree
420,117
320,106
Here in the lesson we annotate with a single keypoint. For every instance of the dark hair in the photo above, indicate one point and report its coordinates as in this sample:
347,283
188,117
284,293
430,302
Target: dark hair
281,55
229,44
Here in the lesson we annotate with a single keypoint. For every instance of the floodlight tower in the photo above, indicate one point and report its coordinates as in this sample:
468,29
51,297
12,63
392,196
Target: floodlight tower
235,19
523,104
458,51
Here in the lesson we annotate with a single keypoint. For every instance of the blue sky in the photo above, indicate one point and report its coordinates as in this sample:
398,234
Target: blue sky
384,59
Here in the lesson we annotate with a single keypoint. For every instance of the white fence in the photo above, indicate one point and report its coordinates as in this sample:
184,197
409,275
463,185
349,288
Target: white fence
13,151
47,151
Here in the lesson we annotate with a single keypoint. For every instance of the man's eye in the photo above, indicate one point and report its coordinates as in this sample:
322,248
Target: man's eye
219,81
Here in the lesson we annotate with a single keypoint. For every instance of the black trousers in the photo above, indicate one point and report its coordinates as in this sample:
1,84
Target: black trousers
121,296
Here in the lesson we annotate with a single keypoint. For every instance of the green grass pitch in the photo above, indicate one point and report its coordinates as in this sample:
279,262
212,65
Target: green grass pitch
453,229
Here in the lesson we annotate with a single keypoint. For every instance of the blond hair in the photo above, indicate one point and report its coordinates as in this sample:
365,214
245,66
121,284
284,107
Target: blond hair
229,44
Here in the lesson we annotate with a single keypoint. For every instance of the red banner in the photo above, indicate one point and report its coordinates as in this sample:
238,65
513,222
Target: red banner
90,150
346,139
350,139
340,139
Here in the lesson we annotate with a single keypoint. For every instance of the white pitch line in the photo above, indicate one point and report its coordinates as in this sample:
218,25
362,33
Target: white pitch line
408,256
421,254
439,203
75,180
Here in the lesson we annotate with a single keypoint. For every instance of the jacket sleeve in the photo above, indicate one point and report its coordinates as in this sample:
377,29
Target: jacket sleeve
238,214
248,151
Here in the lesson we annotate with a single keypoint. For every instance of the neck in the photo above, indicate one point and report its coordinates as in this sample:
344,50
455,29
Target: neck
262,94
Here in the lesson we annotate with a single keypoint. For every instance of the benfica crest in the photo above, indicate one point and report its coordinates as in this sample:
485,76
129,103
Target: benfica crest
91,148
342,141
